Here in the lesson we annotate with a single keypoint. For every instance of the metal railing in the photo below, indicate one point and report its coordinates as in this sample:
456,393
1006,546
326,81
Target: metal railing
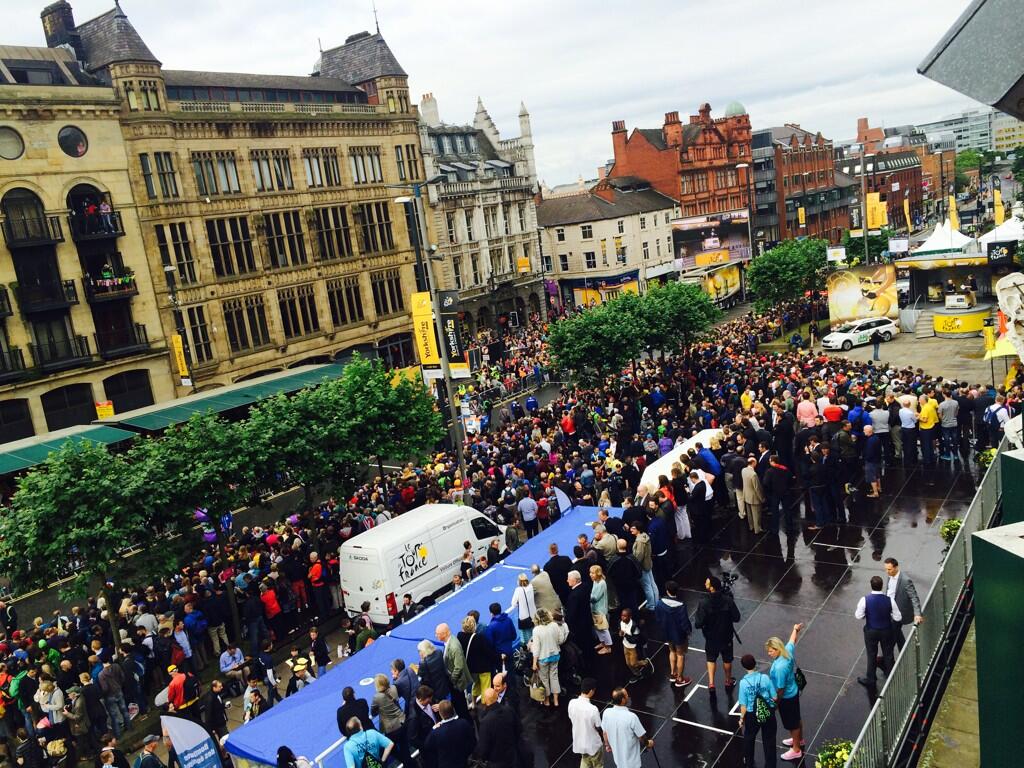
34,230
879,742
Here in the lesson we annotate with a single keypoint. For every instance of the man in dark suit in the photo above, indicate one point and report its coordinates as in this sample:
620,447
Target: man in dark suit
408,611
508,691
699,507
353,707
498,741
785,429
557,568
421,718
578,615
406,682
451,741
903,592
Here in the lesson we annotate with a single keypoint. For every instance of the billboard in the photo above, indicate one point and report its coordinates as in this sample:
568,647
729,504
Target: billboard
1002,252
862,292
722,283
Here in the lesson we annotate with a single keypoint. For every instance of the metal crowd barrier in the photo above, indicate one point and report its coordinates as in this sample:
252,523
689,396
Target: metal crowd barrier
879,741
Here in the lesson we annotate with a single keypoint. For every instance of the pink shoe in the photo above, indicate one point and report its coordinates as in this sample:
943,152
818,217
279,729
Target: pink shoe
792,755
789,742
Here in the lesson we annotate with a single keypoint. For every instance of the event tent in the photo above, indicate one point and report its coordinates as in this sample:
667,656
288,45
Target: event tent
1010,230
663,466
944,239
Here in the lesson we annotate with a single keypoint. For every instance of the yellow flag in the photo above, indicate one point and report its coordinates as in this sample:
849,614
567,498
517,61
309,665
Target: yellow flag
954,218
997,202
801,216
906,213
423,329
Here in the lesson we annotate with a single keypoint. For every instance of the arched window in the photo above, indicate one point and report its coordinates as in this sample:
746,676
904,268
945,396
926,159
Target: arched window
15,420
129,390
68,406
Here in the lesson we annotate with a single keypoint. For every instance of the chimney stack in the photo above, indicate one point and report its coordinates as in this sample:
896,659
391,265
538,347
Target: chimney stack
672,131
428,110
59,26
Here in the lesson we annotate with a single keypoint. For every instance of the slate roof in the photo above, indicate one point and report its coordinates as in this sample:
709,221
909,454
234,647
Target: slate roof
844,180
361,58
654,136
574,209
184,77
110,38
882,163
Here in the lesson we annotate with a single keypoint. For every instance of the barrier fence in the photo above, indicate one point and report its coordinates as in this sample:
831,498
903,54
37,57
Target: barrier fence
879,742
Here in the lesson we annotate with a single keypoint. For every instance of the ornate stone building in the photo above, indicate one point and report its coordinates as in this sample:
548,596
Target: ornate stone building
79,322
272,238
483,216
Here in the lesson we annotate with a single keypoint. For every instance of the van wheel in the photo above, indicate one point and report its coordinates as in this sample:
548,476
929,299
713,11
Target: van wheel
887,336
847,345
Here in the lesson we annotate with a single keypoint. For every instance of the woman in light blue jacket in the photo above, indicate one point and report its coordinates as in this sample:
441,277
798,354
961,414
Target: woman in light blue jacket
599,609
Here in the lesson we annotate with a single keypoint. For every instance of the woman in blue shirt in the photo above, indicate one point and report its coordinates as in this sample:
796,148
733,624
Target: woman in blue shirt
752,685
783,677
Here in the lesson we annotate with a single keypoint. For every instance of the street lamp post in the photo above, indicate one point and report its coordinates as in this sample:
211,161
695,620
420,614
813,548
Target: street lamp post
750,207
864,157
419,239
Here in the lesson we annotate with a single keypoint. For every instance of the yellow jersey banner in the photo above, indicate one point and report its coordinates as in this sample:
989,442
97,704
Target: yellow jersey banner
954,217
801,216
179,355
997,206
423,329
906,213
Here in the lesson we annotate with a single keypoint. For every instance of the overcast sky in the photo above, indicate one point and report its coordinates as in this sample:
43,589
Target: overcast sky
580,64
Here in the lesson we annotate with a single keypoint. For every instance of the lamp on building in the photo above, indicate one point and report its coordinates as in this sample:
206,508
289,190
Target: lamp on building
750,207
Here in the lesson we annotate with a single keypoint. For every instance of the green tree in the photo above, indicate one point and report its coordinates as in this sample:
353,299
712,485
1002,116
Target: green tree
677,314
854,245
598,342
967,160
787,272
387,416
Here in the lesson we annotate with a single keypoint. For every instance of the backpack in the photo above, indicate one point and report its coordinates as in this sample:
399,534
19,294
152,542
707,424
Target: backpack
991,417
257,669
191,688
522,660
15,685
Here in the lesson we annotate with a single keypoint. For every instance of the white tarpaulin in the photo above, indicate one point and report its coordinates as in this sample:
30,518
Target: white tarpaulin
663,466
944,238
1011,229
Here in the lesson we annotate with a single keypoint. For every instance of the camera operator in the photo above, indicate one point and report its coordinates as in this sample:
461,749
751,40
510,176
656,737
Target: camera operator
716,617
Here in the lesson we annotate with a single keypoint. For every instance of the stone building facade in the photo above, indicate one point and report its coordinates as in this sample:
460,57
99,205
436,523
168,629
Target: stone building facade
79,321
273,240
483,216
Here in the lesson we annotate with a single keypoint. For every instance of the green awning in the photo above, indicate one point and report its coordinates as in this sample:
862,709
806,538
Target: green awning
158,417
26,453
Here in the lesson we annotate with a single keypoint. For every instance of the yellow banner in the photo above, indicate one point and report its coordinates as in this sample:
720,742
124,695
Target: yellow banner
990,338
178,350
997,205
104,410
801,216
523,264
618,244
709,258
954,217
906,213
423,329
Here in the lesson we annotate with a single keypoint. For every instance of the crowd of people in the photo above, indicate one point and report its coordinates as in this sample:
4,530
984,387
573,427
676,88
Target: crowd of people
798,434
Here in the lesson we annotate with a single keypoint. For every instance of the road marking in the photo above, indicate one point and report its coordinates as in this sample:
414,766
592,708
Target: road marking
694,690
838,546
735,711
705,727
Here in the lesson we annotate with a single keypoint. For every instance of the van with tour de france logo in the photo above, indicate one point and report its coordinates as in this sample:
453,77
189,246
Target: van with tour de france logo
416,553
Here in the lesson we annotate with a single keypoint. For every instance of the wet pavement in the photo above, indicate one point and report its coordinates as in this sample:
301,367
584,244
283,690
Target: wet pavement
814,577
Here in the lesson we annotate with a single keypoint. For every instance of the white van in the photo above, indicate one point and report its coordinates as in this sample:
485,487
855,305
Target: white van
415,553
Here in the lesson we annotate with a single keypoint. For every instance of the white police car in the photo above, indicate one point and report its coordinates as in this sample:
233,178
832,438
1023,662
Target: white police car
857,332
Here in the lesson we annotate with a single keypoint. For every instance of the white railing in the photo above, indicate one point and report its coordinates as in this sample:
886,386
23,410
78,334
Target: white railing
204,106
262,106
879,742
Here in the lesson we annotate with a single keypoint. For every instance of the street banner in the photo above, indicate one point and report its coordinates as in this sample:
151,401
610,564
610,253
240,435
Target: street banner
801,216
998,212
423,329
906,213
193,744
451,327
523,264
954,219
899,245
835,253
866,291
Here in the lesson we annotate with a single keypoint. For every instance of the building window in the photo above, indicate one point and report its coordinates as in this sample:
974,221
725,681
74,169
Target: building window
643,222
469,224
322,168
245,321
150,93
590,258
560,234
147,175
173,238
197,333
216,173
491,221
511,259
166,174
412,158
346,301
374,222
657,245
548,267
621,226
132,99
528,254
474,263
449,219
400,162
646,250
230,246
387,292
286,245
726,178
272,170
563,262
365,165
332,233
522,216
457,272
298,311
586,231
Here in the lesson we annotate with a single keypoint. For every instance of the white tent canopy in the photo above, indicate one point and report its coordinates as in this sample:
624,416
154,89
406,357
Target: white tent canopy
1011,229
663,466
945,238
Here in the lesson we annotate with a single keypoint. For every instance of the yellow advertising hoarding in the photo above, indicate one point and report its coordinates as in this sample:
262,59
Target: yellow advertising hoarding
997,206
722,283
854,294
423,329
104,409
710,258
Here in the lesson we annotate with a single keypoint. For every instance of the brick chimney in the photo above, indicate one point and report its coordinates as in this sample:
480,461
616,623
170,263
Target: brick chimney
672,131
619,140
862,127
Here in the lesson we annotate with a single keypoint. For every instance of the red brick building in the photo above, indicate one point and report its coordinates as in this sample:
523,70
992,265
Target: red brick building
695,163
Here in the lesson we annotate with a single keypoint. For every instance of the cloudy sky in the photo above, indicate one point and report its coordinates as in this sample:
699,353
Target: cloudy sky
579,64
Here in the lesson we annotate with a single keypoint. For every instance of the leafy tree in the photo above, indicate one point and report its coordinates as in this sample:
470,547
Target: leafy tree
386,417
677,314
787,272
876,245
599,342
968,160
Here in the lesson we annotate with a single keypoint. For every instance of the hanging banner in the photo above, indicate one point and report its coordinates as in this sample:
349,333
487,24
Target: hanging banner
451,330
954,219
423,329
836,253
998,211
178,350
523,264
801,216
906,213
104,409
193,744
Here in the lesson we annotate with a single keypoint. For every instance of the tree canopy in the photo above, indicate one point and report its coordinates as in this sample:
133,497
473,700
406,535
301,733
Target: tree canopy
787,272
877,244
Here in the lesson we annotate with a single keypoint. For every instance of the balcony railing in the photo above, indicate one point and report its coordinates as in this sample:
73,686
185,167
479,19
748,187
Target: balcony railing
99,226
58,354
98,290
124,341
41,230
60,294
5,303
12,364
264,107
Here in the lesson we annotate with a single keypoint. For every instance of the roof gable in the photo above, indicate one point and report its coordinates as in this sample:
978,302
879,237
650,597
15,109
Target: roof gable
361,58
110,38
